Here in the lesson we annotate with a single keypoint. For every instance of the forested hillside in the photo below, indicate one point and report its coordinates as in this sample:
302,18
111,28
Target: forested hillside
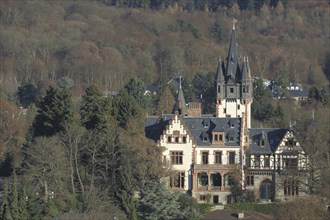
94,42
72,103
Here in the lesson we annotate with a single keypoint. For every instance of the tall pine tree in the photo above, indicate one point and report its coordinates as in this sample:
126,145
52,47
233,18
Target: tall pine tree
53,112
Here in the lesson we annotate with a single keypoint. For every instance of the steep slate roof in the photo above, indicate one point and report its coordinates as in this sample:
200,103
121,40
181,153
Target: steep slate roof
154,126
232,58
271,136
220,76
198,127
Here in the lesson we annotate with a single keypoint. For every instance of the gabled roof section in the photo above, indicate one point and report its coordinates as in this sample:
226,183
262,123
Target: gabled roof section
154,126
265,140
232,58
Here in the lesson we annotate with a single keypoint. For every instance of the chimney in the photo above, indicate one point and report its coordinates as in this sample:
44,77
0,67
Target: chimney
194,109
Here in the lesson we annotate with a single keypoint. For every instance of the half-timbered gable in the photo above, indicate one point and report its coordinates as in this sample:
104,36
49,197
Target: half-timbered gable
273,162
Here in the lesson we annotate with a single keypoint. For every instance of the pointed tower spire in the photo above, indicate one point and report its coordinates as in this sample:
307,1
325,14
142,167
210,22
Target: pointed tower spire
232,59
181,102
220,76
245,70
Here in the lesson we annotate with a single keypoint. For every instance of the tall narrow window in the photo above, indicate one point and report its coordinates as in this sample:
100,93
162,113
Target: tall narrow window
219,89
231,157
266,162
243,89
291,187
178,180
205,157
250,180
184,139
257,161
176,157
218,157
169,139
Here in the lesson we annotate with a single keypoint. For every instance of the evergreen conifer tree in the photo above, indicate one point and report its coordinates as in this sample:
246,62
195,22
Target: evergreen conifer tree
53,112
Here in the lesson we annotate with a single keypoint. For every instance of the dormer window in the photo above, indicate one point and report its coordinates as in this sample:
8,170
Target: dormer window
232,123
262,142
217,137
231,90
169,139
204,136
206,123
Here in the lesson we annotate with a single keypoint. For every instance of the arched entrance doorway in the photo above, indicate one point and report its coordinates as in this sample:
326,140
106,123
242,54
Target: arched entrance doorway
266,189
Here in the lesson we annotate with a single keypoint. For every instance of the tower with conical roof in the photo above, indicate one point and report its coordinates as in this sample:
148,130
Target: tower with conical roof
181,102
234,85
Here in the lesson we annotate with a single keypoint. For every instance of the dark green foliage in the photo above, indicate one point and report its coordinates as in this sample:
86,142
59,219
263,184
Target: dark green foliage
281,81
189,207
235,187
136,89
125,194
188,92
95,109
203,84
13,204
157,203
320,95
54,110
27,95
125,107
187,27
263,108
217,32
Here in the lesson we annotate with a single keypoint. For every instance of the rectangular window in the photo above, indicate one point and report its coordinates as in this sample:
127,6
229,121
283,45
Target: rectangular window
238,107
176,157
219,89
202,197
291,187
218,157
243,89
231,157
231,90
176,139
205,157
169,139
266,161
290,163
184,139
247,161
257,161
250,180
217,137
177,181
224,111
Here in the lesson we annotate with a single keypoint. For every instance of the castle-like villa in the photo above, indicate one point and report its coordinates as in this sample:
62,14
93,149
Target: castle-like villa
206,151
